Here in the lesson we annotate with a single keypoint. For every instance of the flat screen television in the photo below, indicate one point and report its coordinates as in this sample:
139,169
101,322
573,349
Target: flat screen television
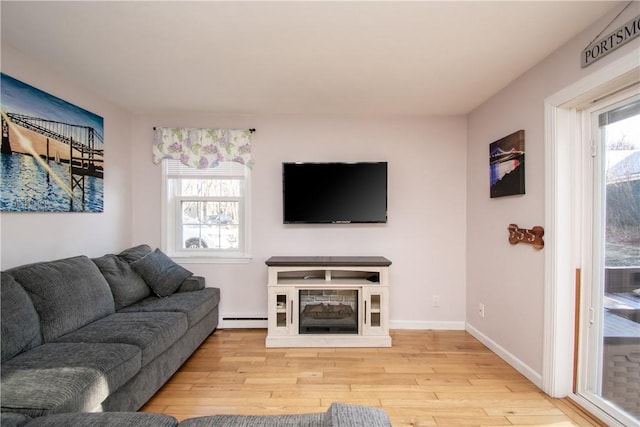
334,193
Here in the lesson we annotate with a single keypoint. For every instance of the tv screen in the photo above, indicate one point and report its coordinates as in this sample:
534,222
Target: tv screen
334,192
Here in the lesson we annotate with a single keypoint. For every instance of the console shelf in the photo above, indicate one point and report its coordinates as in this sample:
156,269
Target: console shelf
346,301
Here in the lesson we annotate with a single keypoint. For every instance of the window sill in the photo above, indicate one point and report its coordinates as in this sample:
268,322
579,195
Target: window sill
210,260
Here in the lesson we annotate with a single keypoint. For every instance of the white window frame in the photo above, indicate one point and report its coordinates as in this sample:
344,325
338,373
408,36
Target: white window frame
171,213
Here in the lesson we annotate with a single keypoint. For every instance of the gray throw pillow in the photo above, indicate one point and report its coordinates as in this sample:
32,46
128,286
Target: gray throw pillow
127,287
162,275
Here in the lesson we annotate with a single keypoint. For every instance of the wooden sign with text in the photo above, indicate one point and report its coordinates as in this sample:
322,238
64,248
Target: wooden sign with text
604,46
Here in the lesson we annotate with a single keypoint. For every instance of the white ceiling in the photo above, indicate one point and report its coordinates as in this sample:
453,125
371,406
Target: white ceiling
237,57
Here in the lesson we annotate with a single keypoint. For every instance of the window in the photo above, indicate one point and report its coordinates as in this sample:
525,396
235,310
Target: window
206,211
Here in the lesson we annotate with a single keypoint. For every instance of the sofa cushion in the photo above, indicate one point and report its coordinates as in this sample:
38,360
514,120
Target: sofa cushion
127,287
105,419
152,333
66,377
285,420
67,293
344,414
160,272
135,253
195,305
19,320
12,419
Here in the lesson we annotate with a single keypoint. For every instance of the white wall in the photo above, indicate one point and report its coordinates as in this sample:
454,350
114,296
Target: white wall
507,279
424,237
32,237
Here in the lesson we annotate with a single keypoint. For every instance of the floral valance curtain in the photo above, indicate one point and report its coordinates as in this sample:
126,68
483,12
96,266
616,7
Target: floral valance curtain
202,148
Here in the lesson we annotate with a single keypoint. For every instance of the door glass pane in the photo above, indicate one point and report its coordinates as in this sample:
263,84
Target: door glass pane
375,311
619,378
281,310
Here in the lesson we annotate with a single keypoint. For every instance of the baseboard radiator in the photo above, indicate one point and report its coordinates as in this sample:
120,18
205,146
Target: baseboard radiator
242,322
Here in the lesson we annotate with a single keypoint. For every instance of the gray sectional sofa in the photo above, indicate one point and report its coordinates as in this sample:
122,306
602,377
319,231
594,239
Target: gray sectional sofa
85,342
338,415
95,335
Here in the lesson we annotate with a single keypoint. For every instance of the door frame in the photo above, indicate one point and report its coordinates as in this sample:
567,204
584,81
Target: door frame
562,192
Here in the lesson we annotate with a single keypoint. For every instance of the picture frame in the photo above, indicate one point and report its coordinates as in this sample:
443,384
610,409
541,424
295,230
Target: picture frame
507,166
52,153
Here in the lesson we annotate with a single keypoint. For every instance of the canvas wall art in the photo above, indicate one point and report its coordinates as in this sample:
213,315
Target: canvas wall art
52,154
506,165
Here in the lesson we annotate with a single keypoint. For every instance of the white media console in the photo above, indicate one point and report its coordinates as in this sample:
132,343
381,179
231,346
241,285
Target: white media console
328,302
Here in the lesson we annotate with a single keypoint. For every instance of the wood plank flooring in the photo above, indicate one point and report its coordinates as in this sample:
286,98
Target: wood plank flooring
428,378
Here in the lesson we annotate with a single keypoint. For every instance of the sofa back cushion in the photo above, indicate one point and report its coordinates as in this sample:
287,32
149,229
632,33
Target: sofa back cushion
135,253
127,287
19,320
67,294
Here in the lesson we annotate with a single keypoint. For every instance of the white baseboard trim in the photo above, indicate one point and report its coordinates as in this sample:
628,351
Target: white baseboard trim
422,324
239,323
517,364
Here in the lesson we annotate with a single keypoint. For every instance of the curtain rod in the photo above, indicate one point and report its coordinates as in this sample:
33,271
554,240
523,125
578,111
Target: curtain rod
252,130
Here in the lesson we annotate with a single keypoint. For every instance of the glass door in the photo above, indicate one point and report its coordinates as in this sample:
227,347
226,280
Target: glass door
375,301
609,360
281,311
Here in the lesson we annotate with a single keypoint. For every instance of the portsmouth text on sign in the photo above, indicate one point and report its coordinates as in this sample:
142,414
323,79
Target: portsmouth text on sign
611,42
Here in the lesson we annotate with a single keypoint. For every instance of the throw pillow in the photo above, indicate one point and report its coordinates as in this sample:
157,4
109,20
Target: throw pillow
127,287
160,272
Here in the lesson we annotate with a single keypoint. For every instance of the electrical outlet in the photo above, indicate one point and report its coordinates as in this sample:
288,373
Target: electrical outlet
481,310
435,301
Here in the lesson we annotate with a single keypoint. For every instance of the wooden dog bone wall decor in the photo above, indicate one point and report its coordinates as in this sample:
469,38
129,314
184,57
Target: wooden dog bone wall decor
532,236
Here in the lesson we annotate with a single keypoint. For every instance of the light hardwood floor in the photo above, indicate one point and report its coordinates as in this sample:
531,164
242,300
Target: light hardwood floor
428,378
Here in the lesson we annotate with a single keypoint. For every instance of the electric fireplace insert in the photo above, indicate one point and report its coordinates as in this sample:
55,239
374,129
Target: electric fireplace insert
328,311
